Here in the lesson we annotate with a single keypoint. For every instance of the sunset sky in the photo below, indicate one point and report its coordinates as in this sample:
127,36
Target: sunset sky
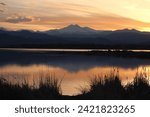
97,14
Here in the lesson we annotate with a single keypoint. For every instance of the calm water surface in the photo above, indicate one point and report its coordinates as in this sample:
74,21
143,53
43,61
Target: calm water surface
75,70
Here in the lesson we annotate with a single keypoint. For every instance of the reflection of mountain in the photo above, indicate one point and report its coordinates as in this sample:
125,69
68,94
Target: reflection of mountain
76,37
70,62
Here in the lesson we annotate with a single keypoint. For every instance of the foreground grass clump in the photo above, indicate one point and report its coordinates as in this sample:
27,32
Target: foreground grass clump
138,89
111,88
48,89
103,88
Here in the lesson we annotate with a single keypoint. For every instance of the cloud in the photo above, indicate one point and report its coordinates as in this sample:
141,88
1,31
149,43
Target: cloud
17,26
1,3
96,21
1,11
18,19
52,14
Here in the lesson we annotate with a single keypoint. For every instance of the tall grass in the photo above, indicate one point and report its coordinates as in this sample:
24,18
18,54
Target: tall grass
107,87
110,87
138,89
47,89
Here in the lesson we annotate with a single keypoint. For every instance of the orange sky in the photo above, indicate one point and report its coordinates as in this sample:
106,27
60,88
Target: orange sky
97,14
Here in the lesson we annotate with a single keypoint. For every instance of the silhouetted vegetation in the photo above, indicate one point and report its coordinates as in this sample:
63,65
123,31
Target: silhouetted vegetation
105,88
107,53
111,88
47,89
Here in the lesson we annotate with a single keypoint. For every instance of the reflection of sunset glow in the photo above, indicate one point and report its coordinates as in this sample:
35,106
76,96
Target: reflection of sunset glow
71,80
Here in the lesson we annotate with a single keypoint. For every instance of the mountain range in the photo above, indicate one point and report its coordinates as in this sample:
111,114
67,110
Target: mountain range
75,36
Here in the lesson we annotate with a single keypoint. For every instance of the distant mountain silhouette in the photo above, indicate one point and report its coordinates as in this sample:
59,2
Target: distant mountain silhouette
127,36
73,30
75,36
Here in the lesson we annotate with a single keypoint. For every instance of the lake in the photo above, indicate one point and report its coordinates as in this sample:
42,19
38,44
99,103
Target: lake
74,69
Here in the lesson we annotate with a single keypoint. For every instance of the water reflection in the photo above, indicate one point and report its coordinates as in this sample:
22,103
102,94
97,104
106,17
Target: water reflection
75,69
71,80
71,62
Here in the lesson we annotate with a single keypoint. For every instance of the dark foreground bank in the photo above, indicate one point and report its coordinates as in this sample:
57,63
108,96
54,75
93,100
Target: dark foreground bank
107,88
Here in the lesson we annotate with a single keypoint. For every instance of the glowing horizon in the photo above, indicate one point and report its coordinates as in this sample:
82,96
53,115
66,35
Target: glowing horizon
97,14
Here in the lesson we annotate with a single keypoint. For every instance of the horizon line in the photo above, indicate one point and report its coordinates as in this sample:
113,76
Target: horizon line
7,29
